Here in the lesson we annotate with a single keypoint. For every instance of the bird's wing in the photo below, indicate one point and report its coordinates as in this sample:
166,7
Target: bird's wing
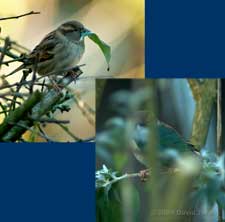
169,137
44,51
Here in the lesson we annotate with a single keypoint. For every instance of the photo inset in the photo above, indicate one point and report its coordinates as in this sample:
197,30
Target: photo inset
158,150
51,58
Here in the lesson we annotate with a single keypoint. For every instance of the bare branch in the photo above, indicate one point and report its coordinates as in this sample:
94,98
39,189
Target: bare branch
70,133
10,54
56,121
205,98
19,16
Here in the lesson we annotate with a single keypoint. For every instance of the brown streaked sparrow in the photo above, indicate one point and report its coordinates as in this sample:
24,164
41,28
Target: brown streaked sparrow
60,49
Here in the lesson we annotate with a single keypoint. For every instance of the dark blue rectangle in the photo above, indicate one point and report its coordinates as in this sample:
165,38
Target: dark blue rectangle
185,38
47,182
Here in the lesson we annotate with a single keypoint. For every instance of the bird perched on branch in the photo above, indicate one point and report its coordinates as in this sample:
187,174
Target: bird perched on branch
59,50
132,125
171,145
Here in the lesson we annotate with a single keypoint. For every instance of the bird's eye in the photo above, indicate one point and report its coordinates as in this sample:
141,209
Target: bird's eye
75,30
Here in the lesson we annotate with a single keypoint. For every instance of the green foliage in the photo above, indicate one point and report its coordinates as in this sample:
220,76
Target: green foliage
60,105
120,130
107,196
209,185
205,187
20,113
109,203
125,103
103,179
113,140
113,135
109,211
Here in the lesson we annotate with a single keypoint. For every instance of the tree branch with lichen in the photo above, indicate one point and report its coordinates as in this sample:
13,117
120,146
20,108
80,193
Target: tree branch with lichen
204,93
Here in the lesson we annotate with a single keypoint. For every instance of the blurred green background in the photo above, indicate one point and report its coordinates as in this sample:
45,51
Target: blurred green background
175,106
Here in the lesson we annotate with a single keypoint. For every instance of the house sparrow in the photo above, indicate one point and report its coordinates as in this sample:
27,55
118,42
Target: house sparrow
60,49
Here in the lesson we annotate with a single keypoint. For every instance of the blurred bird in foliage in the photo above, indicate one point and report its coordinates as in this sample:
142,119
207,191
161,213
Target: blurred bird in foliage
171,145
130,130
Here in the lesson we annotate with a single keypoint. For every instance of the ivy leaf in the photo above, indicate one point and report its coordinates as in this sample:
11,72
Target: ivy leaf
106,50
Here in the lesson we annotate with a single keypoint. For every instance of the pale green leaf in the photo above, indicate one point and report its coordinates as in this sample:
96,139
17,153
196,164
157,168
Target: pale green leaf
106,50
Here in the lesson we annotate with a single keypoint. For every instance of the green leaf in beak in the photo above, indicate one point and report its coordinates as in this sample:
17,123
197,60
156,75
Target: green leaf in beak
106,50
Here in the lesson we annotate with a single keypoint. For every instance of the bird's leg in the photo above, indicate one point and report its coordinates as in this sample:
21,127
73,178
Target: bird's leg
74,73
144,174
55,85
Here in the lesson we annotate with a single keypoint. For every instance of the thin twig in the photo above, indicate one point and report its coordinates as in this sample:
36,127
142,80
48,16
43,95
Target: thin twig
96,77
11,100
34,76
88,107
19,16
46,137
69,132
13,60
21,95
42,85
125,176
45,120
15,44
19,86
92,139
5,112
81,106
10,54
4,86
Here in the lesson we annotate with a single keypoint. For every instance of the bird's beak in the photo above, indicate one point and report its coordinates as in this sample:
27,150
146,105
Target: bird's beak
85,33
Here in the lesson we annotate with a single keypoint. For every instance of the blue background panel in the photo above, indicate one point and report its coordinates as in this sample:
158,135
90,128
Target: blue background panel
47,182
185,38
